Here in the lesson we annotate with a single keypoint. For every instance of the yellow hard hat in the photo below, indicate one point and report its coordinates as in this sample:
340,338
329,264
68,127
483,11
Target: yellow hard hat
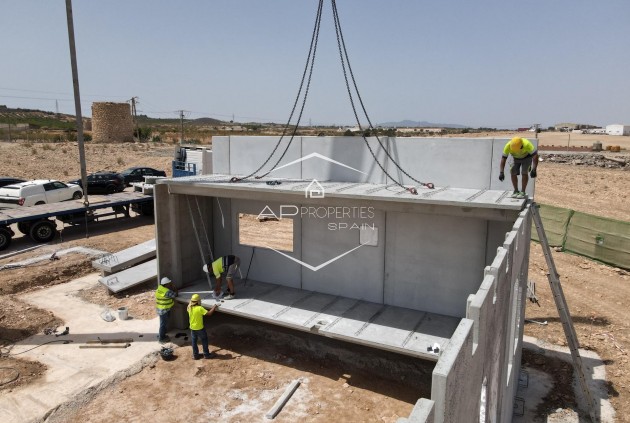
516,144
195,297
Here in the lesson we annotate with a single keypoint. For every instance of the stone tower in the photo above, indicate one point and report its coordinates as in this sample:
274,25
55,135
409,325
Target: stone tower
111,122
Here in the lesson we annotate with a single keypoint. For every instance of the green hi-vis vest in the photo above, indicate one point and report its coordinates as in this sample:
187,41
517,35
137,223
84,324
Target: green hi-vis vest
161,300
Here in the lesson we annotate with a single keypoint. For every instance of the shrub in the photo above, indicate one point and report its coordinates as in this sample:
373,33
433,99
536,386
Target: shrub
142,133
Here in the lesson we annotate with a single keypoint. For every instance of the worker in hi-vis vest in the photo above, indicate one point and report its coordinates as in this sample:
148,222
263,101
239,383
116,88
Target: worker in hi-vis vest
525,160
228,265
195,321
164,302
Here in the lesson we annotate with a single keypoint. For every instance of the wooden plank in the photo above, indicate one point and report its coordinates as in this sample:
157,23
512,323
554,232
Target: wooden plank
130,277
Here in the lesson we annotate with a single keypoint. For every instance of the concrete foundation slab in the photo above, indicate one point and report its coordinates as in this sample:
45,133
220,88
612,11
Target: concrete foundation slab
72,371
405,331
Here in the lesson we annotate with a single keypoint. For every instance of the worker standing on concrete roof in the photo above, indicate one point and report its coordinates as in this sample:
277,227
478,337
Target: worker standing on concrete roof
525,159
164,295
197,331
222,265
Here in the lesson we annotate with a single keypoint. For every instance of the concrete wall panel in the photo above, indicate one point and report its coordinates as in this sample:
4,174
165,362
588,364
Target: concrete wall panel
221,155
425,261
455,162
356,275
456,386
351,151
268,265
497,231
248,153
199,235
222,226
422,412
166,235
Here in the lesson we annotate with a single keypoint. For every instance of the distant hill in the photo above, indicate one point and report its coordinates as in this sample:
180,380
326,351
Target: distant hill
207,121
37,118
423,124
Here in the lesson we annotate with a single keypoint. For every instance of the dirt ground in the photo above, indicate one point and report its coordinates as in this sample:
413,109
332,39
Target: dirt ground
254,365
597,296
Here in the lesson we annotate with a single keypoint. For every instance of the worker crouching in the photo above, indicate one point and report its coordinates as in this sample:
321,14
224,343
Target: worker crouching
197,331
229,266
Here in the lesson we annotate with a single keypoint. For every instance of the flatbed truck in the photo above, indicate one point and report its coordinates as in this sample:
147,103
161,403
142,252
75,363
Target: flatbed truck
38,222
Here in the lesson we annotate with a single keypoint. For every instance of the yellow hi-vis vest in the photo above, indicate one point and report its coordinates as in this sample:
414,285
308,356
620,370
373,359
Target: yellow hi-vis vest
161,300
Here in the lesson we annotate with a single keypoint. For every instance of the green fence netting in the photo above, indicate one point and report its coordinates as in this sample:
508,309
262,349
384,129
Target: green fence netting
555,221
606,240
598,238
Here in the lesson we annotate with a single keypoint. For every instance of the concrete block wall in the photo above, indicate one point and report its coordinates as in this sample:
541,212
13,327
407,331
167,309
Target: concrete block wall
111,122
485,351
454,162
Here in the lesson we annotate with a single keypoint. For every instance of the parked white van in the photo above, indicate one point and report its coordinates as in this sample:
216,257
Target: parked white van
41,191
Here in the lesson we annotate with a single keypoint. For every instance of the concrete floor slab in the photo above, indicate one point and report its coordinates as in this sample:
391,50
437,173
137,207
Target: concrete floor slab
219,186
72,370
112,263
130,277
380,326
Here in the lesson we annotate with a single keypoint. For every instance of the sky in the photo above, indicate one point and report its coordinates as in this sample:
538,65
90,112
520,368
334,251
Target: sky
483,63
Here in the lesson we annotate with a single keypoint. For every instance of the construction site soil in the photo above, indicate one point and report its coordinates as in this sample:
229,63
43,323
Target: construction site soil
255,366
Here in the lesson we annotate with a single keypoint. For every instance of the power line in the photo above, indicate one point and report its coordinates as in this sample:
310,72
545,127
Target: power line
58,92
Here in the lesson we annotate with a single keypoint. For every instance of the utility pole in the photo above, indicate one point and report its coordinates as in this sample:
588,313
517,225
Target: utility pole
77,102
181,119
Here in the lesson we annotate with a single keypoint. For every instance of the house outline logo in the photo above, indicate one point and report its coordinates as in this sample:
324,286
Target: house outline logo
314,190
318,156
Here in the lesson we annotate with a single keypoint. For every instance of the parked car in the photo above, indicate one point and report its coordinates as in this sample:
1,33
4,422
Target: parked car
103,182
7,180
41,191
137,174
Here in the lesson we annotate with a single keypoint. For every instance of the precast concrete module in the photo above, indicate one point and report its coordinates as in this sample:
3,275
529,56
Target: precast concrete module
439,276
112,122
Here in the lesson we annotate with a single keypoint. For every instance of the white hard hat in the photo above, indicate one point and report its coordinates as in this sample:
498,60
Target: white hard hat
205,268
165,280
